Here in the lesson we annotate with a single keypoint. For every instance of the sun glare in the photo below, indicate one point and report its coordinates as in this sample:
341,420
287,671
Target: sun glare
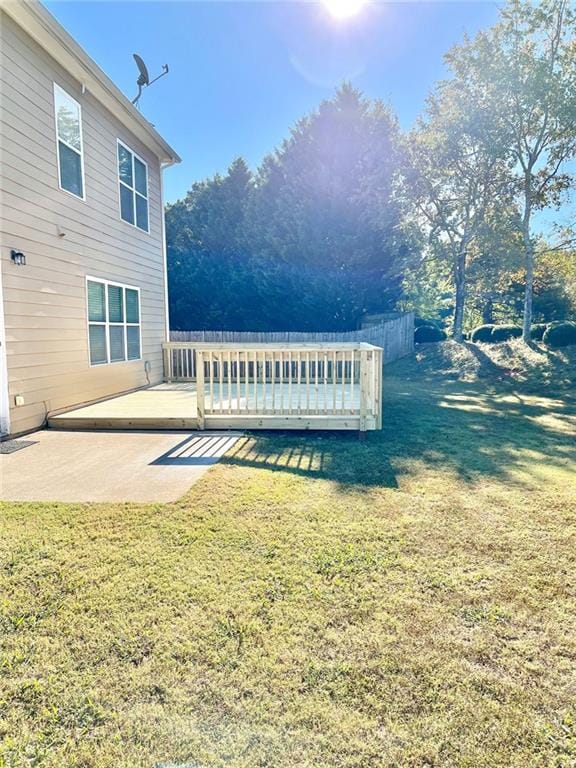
343,9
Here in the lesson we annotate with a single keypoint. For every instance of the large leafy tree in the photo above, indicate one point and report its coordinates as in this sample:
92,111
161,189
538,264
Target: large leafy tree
455,175
311,243
210,281
325,208
524,69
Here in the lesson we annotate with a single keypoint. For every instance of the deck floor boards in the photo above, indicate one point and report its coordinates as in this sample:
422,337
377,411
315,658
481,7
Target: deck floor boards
174,406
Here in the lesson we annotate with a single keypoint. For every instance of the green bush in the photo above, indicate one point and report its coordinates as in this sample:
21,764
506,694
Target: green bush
482,333
420,321
505,333
560,334
428,333
537,331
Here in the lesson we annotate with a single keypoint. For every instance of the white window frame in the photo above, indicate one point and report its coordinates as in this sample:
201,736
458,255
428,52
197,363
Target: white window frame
133,189
58,88
106,323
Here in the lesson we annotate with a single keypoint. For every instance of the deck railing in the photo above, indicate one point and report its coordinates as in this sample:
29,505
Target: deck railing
323,385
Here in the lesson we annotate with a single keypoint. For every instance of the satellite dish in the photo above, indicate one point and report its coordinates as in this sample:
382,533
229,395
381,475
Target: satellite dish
144,78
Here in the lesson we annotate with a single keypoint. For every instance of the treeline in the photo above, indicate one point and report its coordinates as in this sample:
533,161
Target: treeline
349,215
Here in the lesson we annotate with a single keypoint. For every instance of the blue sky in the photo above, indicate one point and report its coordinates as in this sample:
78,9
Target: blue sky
241,73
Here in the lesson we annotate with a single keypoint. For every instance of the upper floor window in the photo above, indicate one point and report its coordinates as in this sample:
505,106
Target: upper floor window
69,137
133,184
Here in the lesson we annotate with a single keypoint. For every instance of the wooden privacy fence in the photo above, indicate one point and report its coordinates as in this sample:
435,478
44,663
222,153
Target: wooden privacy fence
281,386
394,336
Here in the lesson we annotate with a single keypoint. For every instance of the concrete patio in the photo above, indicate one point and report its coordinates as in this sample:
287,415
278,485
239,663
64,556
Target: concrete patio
109,466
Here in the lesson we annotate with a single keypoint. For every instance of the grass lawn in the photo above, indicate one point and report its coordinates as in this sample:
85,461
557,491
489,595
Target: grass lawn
317,602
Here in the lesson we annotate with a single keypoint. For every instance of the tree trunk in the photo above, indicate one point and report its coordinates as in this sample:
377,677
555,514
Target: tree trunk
529,270
488,312
460,290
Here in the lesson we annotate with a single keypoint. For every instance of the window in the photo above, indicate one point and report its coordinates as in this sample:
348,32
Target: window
113,322
68,117
133,184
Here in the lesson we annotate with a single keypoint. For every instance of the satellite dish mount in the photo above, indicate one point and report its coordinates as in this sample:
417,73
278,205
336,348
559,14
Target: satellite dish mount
144,78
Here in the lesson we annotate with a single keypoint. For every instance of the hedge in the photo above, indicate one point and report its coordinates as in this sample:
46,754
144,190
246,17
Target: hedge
428,333
560,334
537,331
505,333
482,333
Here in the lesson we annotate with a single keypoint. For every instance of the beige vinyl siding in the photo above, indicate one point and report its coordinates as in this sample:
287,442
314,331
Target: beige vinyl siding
65,239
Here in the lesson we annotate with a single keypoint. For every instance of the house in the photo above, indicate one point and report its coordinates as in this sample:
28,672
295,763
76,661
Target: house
83,308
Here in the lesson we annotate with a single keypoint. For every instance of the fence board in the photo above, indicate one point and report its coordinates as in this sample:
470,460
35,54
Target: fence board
395,336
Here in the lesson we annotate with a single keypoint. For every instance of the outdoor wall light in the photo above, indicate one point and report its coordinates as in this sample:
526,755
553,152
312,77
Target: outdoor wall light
18,258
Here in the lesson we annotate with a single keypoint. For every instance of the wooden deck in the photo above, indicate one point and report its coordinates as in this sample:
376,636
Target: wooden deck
174,407
256,386
166,406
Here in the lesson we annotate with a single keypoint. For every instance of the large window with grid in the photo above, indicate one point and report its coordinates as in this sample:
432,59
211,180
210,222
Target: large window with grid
68,117
133,187
113,322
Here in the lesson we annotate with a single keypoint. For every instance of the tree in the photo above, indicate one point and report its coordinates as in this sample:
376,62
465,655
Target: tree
524,68
325,213
208,271
495,258
312,242
455,173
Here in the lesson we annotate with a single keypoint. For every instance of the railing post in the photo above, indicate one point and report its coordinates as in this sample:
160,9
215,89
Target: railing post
379,364
167,364
200,395
364,388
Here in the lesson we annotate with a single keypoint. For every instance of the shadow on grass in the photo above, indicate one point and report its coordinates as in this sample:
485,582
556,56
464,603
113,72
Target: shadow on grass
469,430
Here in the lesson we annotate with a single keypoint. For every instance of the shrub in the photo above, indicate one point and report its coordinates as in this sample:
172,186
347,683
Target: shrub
428,333
537,331
505,333
560,334
420,321
482,333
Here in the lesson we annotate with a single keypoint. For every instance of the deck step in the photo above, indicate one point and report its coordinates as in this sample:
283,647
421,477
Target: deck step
65,421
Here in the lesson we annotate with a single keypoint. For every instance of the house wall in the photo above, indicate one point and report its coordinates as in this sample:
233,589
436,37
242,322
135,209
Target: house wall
65,239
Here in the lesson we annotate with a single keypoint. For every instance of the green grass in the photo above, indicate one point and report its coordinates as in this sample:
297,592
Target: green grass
315,601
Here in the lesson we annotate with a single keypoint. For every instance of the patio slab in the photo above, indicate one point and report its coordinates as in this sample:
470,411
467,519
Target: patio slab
109,466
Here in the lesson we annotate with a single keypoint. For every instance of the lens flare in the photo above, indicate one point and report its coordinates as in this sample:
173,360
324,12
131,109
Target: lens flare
343,9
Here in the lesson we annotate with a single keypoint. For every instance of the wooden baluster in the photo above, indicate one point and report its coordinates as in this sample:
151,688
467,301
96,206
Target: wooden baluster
343,374
289,381
281,379
273,374
325,382
334,379
256,381
264,375
238,381
247,377
200,400
229,381
219,359
211,375
167,367
307,363
352,376
364,388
